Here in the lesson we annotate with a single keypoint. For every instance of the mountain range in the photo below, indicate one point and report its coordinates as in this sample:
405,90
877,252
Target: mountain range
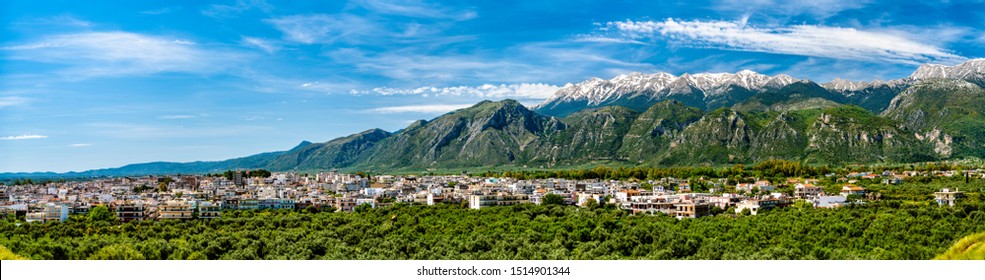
936,113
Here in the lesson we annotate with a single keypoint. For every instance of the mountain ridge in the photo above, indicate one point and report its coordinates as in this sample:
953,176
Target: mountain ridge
710,91
935,114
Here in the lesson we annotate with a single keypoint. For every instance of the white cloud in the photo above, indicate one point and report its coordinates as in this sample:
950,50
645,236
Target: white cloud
265,45
525,91
220,11
10,101
91,54
602,39
23,137
79,145
817,8
310,29
160,11
436,108
415,8
61,21
409,65
806,40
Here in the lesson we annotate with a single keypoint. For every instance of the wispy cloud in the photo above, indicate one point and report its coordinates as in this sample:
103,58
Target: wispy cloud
24,137
160,11
62,21
322,28
80,145
435,108
415,8
10,101
151,131
526,91
407,64
265,45
603,39
816,8
806,40
221,11
91,54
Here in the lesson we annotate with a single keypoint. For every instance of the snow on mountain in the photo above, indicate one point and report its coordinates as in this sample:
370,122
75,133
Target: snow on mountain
969,70
597,91
723,89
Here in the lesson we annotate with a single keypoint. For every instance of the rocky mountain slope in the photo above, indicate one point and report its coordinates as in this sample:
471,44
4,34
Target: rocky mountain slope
710,91
936,113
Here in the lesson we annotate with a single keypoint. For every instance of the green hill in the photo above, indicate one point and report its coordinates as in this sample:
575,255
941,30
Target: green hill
7,255
970,247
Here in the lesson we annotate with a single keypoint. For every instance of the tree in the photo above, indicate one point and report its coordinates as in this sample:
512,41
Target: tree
591,203
162,187
362,208
100,213
117,252
552,199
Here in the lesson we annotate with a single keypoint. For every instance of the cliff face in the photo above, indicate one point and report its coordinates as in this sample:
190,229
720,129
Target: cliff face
489,133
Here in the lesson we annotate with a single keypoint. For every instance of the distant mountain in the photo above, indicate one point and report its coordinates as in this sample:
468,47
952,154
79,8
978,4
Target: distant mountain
950,114
709,91
489,133
937,113
339,152
156,168
638,91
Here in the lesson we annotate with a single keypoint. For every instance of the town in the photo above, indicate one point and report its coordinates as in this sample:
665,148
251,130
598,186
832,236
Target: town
207,196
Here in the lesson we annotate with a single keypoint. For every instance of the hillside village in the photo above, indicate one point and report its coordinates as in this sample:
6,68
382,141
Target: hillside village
207,197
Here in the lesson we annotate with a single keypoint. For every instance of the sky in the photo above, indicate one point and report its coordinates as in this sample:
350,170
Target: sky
100,84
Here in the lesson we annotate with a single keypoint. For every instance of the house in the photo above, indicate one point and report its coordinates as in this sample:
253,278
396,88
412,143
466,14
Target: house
829,201
51,212
55,212
761,185
583,198
274,203
650,205
754,205
895,180
692,209
477,201
807,190
209,210
174,209
852,189
947,196
345,204
724,201
366,200
35,217
129,210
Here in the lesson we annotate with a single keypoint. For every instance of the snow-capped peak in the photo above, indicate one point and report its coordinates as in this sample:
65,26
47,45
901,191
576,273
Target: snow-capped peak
839,84
596,91
971,69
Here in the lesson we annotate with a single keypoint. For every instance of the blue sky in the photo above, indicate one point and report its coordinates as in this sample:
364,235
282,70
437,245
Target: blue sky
97,84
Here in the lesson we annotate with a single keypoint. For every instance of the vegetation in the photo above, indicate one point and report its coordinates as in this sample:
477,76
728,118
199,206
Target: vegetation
971,247
553,199
904,224
7,255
